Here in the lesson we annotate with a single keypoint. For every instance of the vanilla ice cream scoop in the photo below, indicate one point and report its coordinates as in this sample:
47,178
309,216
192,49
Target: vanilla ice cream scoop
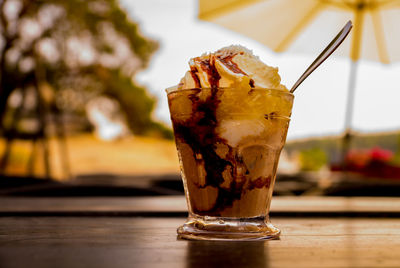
232,66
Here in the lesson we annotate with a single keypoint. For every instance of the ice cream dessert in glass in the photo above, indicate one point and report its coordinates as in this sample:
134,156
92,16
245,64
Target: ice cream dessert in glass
230,116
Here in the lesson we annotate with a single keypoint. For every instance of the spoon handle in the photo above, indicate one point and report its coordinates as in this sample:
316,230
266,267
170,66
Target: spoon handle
333,45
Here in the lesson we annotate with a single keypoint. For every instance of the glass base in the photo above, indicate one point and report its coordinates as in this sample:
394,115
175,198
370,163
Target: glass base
228,229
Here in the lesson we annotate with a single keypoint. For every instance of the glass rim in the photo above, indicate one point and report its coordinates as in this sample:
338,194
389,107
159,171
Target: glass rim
175,89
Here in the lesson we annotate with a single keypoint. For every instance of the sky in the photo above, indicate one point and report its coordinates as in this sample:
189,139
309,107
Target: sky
320,102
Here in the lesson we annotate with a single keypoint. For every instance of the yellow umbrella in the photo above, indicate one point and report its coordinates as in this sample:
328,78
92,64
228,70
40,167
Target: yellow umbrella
307,25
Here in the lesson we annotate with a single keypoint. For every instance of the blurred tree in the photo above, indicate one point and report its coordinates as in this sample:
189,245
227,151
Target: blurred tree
71,51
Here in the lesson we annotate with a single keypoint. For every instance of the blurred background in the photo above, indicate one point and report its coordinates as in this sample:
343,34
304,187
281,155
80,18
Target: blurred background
83,108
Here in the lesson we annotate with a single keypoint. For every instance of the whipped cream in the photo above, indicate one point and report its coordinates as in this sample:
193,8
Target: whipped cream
233,66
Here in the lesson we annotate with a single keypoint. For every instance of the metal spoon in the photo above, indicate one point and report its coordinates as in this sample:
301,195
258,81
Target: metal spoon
333,45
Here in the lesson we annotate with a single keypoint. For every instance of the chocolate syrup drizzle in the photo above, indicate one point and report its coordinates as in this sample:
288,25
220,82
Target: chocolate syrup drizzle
193,72
199,132
227,61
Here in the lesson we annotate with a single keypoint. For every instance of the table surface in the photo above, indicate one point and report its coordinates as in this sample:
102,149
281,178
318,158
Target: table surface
54,232
176,205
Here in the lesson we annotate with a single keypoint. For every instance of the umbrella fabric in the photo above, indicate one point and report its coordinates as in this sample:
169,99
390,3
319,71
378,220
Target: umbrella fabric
306,26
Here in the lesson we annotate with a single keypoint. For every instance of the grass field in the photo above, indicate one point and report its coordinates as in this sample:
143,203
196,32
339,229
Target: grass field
89,155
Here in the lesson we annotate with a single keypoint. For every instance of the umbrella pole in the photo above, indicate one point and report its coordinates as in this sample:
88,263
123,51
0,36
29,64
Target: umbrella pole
348,135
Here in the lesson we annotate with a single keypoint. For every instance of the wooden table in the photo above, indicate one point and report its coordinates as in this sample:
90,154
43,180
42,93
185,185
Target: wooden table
139,232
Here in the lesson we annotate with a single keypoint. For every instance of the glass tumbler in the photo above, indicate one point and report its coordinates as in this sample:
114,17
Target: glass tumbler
228,142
